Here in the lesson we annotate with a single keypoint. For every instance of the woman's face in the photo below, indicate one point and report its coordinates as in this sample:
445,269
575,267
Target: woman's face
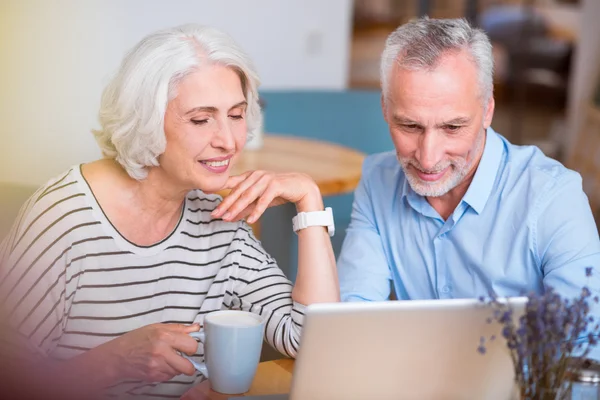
205,128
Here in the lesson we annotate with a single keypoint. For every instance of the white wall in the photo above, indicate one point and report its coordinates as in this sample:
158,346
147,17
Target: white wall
585,69
56,56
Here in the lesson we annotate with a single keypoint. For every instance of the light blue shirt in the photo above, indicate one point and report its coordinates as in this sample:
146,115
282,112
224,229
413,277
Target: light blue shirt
523,224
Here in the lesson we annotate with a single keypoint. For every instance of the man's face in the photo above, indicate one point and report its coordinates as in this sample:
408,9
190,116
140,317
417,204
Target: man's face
437,120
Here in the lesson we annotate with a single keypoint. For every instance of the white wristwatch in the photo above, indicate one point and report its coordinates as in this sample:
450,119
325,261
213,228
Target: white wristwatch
314,218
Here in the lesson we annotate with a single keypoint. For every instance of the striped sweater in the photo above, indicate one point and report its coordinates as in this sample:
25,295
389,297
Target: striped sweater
70,281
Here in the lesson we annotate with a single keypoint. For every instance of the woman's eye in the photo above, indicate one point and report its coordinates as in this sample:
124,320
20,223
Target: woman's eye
236,116
199,121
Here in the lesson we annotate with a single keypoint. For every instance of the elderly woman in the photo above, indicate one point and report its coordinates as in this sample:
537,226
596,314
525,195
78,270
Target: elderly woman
111,264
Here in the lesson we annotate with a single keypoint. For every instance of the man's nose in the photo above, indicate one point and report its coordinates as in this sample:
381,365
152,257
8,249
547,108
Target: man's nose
429,152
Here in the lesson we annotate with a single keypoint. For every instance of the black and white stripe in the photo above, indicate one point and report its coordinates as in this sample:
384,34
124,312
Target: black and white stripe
70,282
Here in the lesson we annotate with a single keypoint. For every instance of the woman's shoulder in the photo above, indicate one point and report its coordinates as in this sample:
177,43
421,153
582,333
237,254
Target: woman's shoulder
57,188
200,205
202,202
198,213
56,201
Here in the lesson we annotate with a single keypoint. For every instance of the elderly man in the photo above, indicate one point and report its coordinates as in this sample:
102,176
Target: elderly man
457,211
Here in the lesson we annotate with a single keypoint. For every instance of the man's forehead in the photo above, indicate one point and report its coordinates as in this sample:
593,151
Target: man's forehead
434,90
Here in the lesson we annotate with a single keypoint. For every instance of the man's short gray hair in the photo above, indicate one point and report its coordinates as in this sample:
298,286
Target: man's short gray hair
135,100
419,44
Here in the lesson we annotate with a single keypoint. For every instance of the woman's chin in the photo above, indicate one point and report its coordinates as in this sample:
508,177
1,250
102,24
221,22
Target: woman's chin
213,187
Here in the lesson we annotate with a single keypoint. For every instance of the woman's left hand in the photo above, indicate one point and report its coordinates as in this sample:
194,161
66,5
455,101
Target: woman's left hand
255,191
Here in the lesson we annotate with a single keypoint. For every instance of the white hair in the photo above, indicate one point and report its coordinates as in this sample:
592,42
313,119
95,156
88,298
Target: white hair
134,102
420,44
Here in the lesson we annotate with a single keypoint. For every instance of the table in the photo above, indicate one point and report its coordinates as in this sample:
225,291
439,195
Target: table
272,377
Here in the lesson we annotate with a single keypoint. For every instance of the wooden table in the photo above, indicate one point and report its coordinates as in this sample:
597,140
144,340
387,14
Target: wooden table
336,169
272,377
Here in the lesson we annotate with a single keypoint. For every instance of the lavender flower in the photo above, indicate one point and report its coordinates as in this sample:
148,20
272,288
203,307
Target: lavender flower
552,338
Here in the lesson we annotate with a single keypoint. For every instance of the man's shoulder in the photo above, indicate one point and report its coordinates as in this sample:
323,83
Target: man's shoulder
529,164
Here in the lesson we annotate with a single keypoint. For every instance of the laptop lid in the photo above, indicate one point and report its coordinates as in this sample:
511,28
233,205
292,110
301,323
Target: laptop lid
424,349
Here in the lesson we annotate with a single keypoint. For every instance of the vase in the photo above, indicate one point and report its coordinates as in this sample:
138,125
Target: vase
561,393
552,394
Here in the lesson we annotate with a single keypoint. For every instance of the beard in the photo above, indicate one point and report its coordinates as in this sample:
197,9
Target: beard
456,170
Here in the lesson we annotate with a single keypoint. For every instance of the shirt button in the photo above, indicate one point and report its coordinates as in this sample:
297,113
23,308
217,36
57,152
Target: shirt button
446,289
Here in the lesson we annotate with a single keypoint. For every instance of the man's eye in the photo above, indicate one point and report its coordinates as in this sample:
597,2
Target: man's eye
453,128
199,121
411,127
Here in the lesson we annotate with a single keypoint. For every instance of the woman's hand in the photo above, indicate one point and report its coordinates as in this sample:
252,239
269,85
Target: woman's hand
149,353
255,191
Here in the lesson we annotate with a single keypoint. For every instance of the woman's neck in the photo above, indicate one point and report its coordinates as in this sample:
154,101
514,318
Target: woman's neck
143,211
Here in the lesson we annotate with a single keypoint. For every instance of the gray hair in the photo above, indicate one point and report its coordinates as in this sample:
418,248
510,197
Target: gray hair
420,43
134,102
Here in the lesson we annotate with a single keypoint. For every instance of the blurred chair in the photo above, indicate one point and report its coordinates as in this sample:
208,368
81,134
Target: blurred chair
585,158
351,118
534,56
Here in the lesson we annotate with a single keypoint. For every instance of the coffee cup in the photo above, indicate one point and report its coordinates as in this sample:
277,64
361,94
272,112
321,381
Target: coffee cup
232,346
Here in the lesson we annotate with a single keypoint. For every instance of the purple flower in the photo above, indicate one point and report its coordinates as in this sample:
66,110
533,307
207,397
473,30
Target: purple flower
551,331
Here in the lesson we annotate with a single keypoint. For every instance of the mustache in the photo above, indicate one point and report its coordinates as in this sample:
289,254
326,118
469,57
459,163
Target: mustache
437,168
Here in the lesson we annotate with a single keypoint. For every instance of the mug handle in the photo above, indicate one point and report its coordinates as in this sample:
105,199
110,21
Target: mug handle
201,367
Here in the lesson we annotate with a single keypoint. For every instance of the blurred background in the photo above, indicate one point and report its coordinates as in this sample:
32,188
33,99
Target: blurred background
319,64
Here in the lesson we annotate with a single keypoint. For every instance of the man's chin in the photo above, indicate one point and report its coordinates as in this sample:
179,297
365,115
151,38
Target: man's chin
427,188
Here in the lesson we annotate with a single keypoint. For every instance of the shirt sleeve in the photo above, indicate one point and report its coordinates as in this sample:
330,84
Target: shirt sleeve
32,280
262,288
363,269
566,241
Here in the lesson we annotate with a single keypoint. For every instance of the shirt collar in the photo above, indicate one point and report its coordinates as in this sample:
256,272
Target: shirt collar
483,181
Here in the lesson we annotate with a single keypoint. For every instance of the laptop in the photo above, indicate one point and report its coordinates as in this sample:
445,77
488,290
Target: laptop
418,349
